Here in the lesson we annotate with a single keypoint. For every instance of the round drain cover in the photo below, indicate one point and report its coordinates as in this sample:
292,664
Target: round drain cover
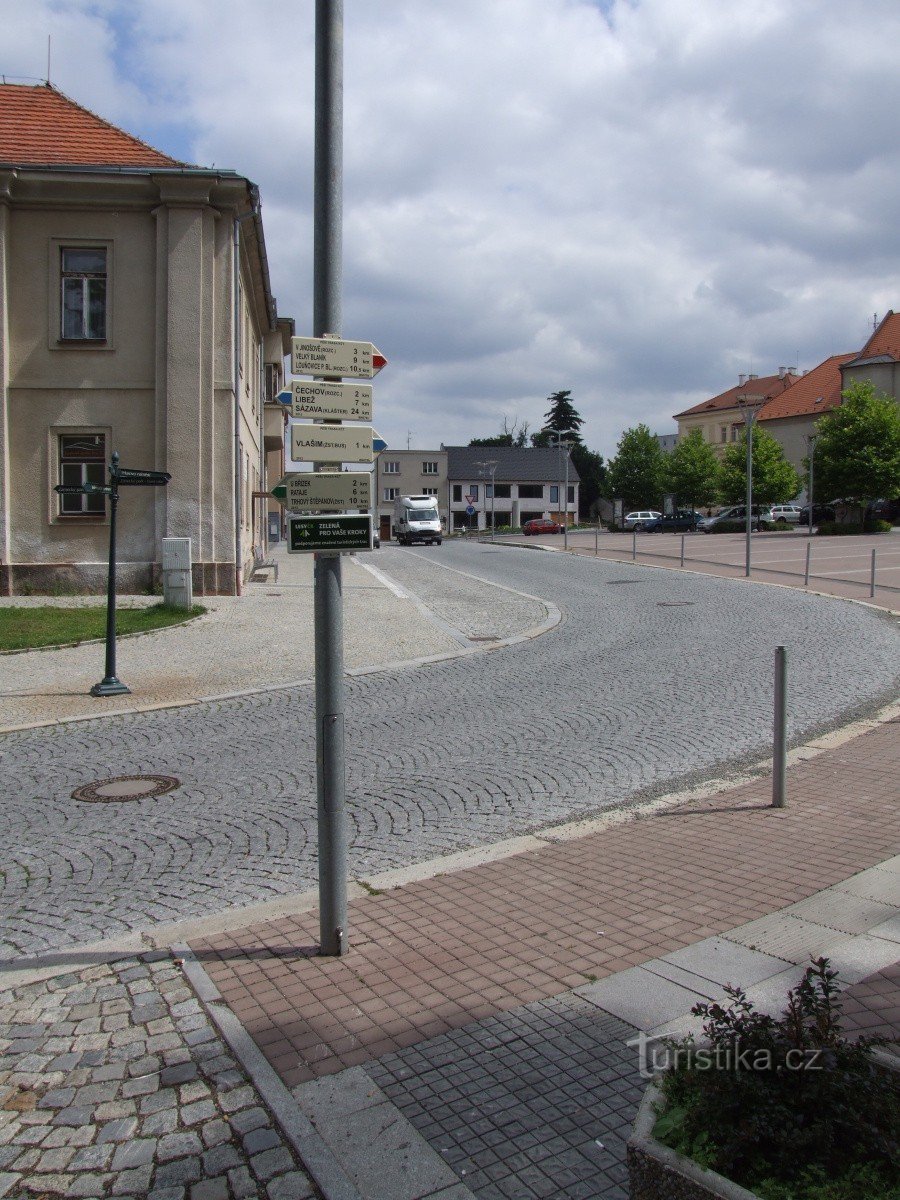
125,787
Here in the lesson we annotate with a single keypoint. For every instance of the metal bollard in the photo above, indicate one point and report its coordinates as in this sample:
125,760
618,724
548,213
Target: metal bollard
597,538
872,583
806,572
633,545
779,752
682,549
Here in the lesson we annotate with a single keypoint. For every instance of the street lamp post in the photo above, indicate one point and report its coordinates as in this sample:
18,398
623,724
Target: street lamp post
750,406
560,434
489,467
811,442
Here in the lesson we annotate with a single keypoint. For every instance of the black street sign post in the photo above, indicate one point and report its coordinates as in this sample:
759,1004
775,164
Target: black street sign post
110,684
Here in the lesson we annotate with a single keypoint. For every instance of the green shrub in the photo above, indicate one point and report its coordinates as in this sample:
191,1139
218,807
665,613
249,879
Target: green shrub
839,528
741,1105
878,526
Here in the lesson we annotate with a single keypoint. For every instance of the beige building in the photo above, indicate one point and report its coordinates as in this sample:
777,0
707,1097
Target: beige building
135,316
408,473
721,418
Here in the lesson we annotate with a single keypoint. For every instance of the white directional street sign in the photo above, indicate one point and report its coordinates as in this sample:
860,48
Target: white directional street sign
331,443
331,401
334,356
325,491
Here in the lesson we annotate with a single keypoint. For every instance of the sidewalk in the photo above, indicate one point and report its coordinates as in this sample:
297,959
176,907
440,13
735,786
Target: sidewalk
476,1039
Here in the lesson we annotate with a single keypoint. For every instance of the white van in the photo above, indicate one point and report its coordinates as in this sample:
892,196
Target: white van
416,519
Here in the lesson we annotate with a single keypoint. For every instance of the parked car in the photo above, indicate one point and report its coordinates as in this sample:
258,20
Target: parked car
884,510
786,512
679,521
540,525
638,520
821,512
761,517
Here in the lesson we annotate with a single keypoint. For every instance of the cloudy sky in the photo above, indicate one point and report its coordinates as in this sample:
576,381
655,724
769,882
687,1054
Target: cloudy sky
636,200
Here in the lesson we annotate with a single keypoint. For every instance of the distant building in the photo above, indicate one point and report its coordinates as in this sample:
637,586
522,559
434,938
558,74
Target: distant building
721,419
136,316
879,359
509,486
408,473
666,441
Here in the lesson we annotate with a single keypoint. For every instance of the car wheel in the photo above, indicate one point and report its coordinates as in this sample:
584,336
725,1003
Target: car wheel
638,527
439,541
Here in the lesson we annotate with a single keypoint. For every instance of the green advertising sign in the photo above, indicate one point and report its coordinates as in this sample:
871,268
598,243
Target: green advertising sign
341,533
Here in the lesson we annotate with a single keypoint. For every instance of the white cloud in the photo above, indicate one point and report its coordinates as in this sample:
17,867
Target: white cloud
634,200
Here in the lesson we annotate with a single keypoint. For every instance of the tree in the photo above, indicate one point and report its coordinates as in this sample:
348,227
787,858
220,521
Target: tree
774,479
637,472
512,435
562,415
592,473
692,471
857,450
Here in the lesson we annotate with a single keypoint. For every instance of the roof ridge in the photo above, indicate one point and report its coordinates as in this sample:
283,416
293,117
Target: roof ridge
116,128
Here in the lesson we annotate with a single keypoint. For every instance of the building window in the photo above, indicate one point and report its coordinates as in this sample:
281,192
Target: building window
391,468
272,383
429,491
571,493
503,491
83,313
457,493
472,494
82,459
734,432
429,468
723,433
531,491
488,491
554,493
391,493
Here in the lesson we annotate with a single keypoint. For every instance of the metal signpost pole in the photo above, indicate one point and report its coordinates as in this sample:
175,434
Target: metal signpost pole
109,684
779,755
811,442
566,503
328,597
749,513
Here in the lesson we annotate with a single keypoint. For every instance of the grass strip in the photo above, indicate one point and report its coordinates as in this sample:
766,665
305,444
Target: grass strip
27,628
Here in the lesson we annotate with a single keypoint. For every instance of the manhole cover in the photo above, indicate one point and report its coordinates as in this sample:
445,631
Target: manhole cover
125,787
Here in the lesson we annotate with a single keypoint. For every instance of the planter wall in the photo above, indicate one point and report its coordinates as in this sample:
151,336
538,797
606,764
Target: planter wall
658,1173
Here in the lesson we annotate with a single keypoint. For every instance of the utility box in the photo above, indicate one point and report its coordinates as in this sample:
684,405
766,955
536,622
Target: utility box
176,572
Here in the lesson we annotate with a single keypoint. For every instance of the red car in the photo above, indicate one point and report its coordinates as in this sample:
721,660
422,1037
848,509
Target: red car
539,525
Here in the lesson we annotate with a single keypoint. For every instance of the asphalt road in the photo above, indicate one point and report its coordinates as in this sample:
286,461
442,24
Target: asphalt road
652,679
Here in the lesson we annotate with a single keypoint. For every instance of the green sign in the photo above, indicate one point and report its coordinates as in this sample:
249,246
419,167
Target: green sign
341,533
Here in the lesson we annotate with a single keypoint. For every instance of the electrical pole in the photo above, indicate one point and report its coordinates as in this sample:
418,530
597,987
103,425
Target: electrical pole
328,594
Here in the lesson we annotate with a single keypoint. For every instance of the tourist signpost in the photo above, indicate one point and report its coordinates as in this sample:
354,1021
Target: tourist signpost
332,443
333,356
110,684
318,400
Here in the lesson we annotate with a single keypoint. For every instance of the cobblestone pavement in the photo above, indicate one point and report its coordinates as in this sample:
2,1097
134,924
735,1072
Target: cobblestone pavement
538,1102
113,1082
650,681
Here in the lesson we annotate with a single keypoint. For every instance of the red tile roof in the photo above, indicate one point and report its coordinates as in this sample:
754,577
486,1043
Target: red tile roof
766,385
885,341
815,392
39,126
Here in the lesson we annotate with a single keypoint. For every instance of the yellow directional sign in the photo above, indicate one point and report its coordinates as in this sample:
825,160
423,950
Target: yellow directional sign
334,356
325,491
331,443
331,401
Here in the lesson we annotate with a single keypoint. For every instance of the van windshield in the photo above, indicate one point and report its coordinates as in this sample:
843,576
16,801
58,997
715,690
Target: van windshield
421,514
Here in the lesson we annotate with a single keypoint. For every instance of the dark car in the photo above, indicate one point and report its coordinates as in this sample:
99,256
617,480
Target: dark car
821,512
677,522
884,510
539,525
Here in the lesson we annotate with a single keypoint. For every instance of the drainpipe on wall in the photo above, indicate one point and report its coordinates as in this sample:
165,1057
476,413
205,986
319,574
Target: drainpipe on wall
237,405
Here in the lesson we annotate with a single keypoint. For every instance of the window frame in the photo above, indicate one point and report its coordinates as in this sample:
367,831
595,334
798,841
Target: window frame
55,513
390,467
389,499
430,468
57,340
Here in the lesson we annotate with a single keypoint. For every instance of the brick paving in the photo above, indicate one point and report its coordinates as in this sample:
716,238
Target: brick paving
113,1082
441,953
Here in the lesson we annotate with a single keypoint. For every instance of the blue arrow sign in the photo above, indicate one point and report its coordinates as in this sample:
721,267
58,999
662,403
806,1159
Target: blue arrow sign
378,444
285,397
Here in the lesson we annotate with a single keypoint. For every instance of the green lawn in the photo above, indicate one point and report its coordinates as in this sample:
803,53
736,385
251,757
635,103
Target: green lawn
22,628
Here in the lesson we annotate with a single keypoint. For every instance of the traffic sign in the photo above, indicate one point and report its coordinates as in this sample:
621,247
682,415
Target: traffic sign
330,401
334,356
128,478
325,491
331,443
470,511
343,533
378,444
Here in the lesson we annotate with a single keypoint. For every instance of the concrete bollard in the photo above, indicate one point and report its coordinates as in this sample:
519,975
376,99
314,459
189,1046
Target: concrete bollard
178,589
779,754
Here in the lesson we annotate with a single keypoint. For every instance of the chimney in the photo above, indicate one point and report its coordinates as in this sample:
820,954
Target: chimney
742,379
782,371
753,377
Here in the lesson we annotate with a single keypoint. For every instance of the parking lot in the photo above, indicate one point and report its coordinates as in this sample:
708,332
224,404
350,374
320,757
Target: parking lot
840,566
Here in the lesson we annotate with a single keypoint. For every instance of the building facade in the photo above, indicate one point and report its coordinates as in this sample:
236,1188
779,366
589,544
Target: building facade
136,316
408,473
507,486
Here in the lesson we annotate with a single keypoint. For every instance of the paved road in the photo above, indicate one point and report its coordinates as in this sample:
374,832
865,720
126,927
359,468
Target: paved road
652,679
